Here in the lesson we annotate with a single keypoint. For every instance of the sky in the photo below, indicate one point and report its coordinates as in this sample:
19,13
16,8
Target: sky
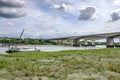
58,18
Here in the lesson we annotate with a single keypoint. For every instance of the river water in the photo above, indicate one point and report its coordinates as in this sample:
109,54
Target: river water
48,48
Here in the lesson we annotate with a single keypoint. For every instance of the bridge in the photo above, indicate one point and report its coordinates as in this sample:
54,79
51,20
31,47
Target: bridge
75,39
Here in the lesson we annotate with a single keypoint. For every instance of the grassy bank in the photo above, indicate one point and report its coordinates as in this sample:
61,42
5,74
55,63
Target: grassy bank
102,64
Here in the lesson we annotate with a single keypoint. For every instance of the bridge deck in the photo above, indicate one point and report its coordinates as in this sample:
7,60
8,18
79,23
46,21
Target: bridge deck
89,37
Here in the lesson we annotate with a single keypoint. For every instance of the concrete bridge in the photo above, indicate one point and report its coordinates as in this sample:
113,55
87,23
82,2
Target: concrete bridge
75,39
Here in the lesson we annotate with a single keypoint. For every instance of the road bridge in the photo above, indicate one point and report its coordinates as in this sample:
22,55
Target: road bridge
75,39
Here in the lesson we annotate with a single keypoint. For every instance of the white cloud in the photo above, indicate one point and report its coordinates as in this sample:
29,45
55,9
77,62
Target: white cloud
62,7
10,24
116,3
11,8
112,27
12,3
11,12
115,15
87,14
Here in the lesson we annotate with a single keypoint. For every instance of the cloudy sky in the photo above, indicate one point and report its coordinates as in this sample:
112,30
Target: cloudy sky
58,18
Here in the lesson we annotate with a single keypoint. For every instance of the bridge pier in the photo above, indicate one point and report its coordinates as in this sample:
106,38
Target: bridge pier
76,43
56,41
92,42
86,43
110,42
61,42
118,45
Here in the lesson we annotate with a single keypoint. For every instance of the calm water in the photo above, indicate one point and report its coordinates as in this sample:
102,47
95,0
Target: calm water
3,50
48,48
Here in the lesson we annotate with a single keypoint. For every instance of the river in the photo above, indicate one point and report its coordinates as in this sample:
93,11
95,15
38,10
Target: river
48,48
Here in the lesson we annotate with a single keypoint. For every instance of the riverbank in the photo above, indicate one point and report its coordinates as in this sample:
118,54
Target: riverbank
96,64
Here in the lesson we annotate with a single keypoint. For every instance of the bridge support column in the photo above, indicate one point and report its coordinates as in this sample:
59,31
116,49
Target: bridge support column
110,42
76,43
56,41
93,43
86,43
61,42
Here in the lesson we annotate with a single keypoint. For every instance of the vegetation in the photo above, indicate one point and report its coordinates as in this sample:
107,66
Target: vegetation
101,64
26,41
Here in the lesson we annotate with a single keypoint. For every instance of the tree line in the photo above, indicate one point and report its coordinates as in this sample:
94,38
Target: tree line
27,41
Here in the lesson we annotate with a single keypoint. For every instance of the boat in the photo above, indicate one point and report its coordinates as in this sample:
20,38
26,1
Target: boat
13,49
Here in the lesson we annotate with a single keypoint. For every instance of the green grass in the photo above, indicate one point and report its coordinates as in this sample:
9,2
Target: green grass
101,64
